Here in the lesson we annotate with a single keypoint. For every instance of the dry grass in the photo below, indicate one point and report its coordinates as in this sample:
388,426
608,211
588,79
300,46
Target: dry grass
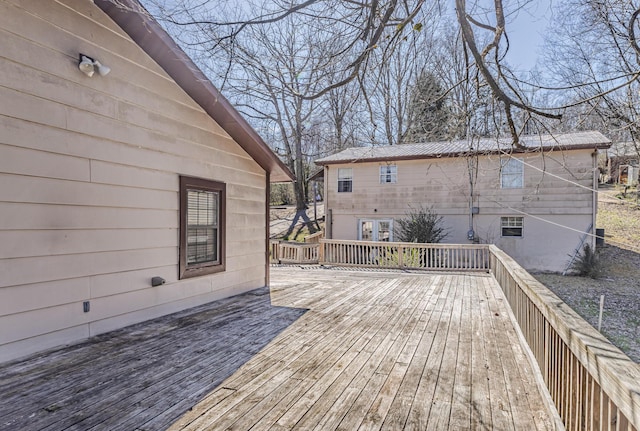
620,218
620,283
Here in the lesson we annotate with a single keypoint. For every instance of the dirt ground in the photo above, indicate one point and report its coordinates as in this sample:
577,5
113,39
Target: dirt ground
281,218
620,283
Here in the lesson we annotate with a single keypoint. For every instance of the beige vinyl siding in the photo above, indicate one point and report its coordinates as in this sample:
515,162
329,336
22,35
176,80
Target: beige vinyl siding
443,184
89,174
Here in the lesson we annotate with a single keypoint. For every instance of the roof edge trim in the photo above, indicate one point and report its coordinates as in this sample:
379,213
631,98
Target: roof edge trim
599,146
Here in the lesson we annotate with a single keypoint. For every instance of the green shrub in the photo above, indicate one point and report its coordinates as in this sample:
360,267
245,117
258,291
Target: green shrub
422,225
587,263
412,258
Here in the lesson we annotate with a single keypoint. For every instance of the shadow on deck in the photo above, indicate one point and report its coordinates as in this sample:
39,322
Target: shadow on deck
143,377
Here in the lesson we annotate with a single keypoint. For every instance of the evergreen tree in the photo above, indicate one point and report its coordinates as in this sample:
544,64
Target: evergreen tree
428,111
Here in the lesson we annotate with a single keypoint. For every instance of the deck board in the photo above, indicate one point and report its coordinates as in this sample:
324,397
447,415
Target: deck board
325,350
462,385
480,405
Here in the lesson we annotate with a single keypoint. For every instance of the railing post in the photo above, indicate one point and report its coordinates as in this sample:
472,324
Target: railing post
400,256
279,251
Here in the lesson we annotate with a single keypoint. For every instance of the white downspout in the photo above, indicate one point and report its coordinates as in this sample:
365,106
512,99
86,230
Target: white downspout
328,213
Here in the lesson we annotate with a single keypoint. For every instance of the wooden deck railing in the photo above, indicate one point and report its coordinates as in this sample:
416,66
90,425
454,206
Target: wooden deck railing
474,257
314,238
399,255
592,383
293,252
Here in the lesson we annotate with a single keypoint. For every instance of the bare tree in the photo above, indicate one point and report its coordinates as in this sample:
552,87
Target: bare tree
471,104
388,90
344,119
595,57
355,36
273,65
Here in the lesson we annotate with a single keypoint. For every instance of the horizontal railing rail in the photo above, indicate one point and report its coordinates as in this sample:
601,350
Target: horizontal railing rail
464,257
314,238
593,384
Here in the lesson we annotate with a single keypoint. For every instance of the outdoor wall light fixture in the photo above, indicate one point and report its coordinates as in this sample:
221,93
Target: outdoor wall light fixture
157,281
89,66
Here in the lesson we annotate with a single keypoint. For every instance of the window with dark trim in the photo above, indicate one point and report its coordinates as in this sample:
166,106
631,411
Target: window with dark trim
511,226
345,180
202,226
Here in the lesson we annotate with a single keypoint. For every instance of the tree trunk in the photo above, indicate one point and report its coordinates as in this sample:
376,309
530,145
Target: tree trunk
299,185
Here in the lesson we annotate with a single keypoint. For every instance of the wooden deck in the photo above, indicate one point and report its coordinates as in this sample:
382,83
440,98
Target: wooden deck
328,349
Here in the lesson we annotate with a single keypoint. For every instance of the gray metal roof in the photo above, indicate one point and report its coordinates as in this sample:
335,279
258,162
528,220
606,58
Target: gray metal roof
531,143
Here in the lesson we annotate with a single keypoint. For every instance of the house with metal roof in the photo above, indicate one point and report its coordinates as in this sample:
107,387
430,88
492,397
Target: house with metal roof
130,187
536,200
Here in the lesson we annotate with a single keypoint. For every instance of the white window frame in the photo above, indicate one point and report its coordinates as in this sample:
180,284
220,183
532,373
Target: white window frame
388,174
511,173
512,222
345,175
375,234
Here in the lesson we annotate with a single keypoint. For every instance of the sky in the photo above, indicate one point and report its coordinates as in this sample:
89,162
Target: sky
526,33
526,30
